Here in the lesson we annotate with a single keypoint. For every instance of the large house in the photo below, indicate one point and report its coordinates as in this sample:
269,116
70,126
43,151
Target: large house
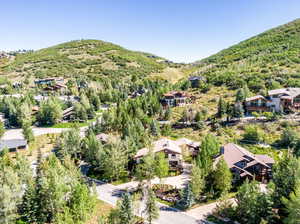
172,150
175,98
278,100
244,164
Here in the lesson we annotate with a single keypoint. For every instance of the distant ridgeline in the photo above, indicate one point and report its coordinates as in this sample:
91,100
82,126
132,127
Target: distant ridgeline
269,60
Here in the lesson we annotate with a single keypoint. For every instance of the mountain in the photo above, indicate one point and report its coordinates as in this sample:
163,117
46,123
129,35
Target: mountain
269,59
83,57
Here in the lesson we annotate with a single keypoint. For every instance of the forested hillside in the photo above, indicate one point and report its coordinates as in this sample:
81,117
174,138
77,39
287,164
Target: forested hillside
268,60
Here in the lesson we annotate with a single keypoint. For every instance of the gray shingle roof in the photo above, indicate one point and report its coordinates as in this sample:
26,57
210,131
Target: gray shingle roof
12,143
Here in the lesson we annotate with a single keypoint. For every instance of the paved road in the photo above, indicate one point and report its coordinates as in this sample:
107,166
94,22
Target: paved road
17,133
110,194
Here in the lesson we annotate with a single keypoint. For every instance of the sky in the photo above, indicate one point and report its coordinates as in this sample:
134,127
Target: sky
179,30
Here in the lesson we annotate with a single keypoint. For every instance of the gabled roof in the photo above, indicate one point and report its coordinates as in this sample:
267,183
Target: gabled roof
233,154
287,91
160,145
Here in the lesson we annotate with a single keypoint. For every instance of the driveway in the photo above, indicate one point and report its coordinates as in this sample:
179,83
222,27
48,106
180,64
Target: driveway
110,194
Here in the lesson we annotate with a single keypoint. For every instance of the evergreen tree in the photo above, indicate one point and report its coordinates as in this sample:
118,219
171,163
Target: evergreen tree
253,205
154,128
126,215
187,198
292,205
151,209
222,178
286,174
221,108
240,95
27,132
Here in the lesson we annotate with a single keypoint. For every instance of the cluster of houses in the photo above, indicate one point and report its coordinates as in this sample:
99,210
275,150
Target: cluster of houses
51,84
242,163
277,100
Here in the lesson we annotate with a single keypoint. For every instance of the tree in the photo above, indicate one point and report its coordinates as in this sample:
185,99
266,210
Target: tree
2,129
114,160
126,215
221,108
222,178
238,110
286,174
252,134
70,144
252,205
50,112
27,132
154,128
161,166
145,170
240,95
293,207
151,209
187,198
209,147
62,196
197,181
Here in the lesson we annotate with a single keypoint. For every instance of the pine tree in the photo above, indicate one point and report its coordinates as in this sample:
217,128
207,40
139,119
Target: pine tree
151,209
240,95
154,128
187,198
28,208
286,174
27,132
221,108
126,210
293,207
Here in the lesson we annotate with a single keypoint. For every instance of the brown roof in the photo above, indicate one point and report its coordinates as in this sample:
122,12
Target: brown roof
233,154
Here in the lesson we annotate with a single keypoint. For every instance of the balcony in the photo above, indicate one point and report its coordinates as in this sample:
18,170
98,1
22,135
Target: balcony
257,108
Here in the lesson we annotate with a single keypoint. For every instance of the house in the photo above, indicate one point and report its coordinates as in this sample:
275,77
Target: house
13,145
171,148
175,98
196,80
277,100
243,164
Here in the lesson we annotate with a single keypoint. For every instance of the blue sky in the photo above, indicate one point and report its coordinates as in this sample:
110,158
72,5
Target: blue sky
183,31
